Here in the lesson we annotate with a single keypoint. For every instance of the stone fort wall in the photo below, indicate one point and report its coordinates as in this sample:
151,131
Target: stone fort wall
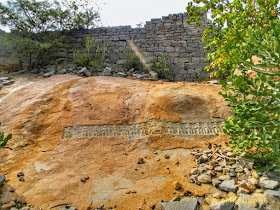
168,35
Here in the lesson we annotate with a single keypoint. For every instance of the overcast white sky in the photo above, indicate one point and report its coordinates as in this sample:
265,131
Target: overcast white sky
132,12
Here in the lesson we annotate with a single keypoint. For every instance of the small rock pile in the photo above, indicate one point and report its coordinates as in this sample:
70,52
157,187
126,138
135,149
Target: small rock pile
10,200
236,184
83,71
4,81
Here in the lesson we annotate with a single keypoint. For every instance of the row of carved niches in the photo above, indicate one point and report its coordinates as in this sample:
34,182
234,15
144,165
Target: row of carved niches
152,127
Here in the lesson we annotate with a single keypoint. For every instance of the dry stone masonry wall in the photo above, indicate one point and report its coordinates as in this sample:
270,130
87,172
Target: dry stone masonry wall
168,35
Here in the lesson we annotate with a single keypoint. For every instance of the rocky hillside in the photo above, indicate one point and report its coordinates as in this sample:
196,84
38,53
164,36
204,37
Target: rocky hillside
103,140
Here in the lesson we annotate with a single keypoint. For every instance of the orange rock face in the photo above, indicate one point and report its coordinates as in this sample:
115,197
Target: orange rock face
79,140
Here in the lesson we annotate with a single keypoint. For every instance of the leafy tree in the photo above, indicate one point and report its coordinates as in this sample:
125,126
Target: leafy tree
255,100
242,30
230,20
29,21
4,140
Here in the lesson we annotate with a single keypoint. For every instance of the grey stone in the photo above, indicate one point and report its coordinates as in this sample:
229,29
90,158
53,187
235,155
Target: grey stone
202,169
204,178
216,182
107,72
1,85
268,184
208,151
228,186
218,169
224,205
224,177
271,203
62,71
121,74
246,202
138,76
2,79
186,203
274,193
154,75
48,74
177,198
71,208
2,180
213,82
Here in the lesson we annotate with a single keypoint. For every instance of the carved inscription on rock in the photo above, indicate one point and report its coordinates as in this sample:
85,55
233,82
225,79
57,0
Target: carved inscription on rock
185,130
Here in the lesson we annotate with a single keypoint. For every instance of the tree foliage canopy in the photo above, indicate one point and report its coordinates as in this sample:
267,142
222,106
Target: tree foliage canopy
38,16
230,20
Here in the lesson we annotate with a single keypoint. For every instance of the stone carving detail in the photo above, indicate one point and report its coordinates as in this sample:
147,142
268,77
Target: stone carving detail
152,127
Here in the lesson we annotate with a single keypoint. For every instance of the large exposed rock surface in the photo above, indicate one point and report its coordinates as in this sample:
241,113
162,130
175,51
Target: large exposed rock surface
88,170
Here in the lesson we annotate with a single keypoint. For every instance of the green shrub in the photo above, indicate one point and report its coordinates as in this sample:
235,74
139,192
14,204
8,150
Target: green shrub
4,140
162,66
255,100
93,57
30,21
131,60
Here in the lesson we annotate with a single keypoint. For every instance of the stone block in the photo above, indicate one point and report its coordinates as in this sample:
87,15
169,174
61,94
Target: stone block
186,203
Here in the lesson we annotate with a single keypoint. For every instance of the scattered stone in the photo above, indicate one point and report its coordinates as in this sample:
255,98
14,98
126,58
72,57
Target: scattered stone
208,151
20,174
177,198
177,185
7,82
218,169
2,180
202,160
70,208
246,202
213,82
247,172
228,186
121,74
167,156
247,163
186,203
83,179
242,190
107,72
216,182
255,174
268,184
202,169
274,193
154,75
193,178
141,161
223,205
48,74
1,86
224,177
62,71
194,171
204,179
229,154
8,205
201,200
21,179
232,173
209,167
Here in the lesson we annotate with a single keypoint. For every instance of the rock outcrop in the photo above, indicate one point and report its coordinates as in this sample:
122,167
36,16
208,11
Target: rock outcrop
104,140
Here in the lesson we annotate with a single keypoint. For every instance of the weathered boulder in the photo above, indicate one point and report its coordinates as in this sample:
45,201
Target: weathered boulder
78,140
